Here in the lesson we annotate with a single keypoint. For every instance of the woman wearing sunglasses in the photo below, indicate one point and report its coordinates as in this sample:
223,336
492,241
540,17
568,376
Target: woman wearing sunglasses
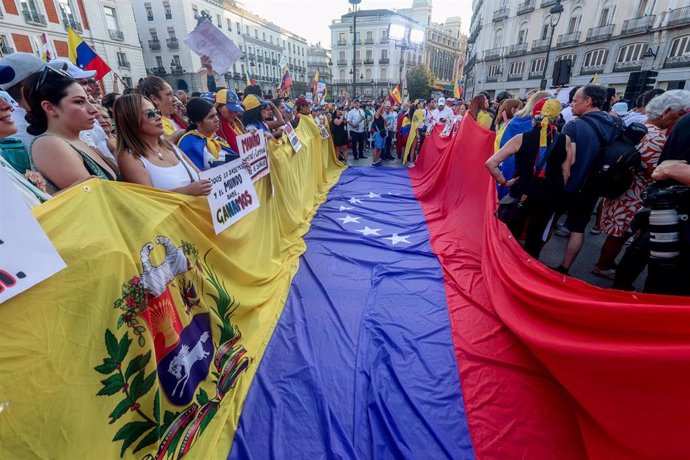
161,94
59,111
145,157
542,167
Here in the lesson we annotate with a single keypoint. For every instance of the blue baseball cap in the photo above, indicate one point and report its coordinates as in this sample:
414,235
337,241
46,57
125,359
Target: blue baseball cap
230,99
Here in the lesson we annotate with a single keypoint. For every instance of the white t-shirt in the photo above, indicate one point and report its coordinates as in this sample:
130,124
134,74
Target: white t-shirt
18,117
96,137
444,114
357,118
633,117
567,114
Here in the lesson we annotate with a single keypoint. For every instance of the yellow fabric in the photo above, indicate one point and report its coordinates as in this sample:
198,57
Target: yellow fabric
499,135
57,335
417,119
484,119
550,111
168,127
214,143
73,41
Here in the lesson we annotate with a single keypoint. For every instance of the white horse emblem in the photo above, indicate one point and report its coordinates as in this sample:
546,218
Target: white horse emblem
182,363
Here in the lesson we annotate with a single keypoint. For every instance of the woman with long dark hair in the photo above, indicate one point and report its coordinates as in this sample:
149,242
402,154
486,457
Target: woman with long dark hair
160,93
145,157
479,111
256,113
201,143
59,111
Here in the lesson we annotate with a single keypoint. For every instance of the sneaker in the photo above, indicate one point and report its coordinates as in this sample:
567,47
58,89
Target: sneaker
562,230
410,165
604,273
378,163
595,230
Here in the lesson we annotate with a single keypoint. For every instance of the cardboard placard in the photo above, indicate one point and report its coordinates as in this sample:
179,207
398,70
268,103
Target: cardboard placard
252,148
292,136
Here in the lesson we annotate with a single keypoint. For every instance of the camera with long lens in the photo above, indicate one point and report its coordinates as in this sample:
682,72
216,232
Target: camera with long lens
668,221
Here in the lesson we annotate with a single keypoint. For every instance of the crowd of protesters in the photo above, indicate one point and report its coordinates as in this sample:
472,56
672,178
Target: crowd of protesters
549,161
57,130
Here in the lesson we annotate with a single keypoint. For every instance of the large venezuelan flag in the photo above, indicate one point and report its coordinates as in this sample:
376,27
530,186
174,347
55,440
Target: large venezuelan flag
83,56
410,325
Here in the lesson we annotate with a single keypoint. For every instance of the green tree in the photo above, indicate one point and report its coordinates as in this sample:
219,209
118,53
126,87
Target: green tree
300,87
419,82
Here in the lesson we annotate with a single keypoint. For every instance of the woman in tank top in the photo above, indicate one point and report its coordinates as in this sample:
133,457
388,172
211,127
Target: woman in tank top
144,157
60,110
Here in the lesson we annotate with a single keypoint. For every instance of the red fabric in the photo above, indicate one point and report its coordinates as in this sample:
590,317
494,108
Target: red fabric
550,366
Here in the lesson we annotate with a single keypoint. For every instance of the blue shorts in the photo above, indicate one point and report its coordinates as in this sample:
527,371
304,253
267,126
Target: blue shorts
379,141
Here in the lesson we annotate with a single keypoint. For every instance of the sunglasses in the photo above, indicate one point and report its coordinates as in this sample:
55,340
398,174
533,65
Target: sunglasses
152,114
48,71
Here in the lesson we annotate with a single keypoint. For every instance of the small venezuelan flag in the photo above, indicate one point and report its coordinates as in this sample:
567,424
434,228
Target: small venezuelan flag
82,55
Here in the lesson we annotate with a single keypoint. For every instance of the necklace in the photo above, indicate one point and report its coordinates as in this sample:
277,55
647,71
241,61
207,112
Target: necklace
160,154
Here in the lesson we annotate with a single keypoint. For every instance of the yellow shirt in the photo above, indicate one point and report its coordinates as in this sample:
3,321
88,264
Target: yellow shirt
484,119
169,126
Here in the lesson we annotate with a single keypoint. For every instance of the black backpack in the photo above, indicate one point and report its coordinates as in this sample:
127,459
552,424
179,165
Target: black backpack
617,162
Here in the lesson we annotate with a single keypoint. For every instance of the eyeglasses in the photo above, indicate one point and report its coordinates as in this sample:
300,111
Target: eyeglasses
152,114
47,70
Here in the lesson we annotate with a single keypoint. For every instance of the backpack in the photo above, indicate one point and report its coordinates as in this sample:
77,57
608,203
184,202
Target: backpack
618,161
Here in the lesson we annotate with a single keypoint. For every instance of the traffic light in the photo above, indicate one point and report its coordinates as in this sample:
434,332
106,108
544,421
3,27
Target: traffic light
638,83
647,80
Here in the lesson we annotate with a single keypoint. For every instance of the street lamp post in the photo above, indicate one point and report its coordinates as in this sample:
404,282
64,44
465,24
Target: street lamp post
405,39
555,12
354,4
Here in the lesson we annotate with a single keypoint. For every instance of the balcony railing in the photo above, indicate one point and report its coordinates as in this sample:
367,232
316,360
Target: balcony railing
341,63
384,41
177,69
535,75
679,16
73,24
33,17
342,42
473,35
492,78
526,7
541,44
5,50
515,77
368,61
172,43
517,50
547,3
568,39
638,25
592,69
260,58
368,41
500,15
159,71
274,61
600,33
384,60
630,66
116,34
155,44
493,53
677,61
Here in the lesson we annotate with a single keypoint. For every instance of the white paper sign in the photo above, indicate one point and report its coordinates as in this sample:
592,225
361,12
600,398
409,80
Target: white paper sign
292,136
309,97
321,87
208,40
232,195
27,256
321,123
252,148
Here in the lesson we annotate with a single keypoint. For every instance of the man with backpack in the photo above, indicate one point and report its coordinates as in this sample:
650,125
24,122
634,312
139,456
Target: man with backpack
587,133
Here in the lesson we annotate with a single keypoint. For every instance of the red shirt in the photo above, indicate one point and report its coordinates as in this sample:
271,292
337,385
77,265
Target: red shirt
230,132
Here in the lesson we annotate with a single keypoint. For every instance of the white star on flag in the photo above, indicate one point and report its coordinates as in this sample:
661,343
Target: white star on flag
347,219
354,200
395,239
373,195
346,208
366,231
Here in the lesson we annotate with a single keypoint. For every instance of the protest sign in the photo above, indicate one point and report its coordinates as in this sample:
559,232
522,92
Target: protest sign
232,195
208,40
252,148
321,87
292,136
447,129
27,256
309,97
321,122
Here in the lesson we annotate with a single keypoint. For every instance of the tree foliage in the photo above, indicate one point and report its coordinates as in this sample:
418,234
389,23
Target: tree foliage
419,82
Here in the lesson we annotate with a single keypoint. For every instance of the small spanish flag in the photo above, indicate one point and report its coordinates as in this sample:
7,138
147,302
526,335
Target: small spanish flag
457,89
83,56
395,94
315,86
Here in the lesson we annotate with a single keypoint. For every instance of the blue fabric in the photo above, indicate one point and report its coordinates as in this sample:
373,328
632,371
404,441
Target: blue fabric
379,141
516,125
85,55
361,363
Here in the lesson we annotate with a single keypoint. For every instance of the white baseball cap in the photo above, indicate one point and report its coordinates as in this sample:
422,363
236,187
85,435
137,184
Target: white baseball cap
74,71
441,101
19,67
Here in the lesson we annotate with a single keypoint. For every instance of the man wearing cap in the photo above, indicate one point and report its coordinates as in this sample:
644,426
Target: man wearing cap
19,67
303,107
443,113
96,136
229,107
356,121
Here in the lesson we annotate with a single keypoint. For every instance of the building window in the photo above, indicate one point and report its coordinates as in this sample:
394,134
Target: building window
159,62
256,33
575,18
545,29
537,66
176,60
341,56
238,28
630,53
149,11
384,54
219,23
228,22
522,34
128,81
122,60
384,74
171,32
111,18
493,70
154,34
342,75
168,11
596,58
605,17
642,8
680,47
263,36
247,30
517,68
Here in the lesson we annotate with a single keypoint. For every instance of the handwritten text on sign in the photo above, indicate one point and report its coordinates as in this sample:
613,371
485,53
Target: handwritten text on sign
253,149
292,136
232,194
27,256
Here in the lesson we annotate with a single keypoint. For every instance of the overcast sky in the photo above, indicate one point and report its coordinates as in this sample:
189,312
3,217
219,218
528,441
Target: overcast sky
311,18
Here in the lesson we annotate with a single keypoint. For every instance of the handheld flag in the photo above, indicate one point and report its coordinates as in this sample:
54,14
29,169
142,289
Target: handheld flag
395,94
316,82
286,81
83,56
250,78
593,80
457,89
